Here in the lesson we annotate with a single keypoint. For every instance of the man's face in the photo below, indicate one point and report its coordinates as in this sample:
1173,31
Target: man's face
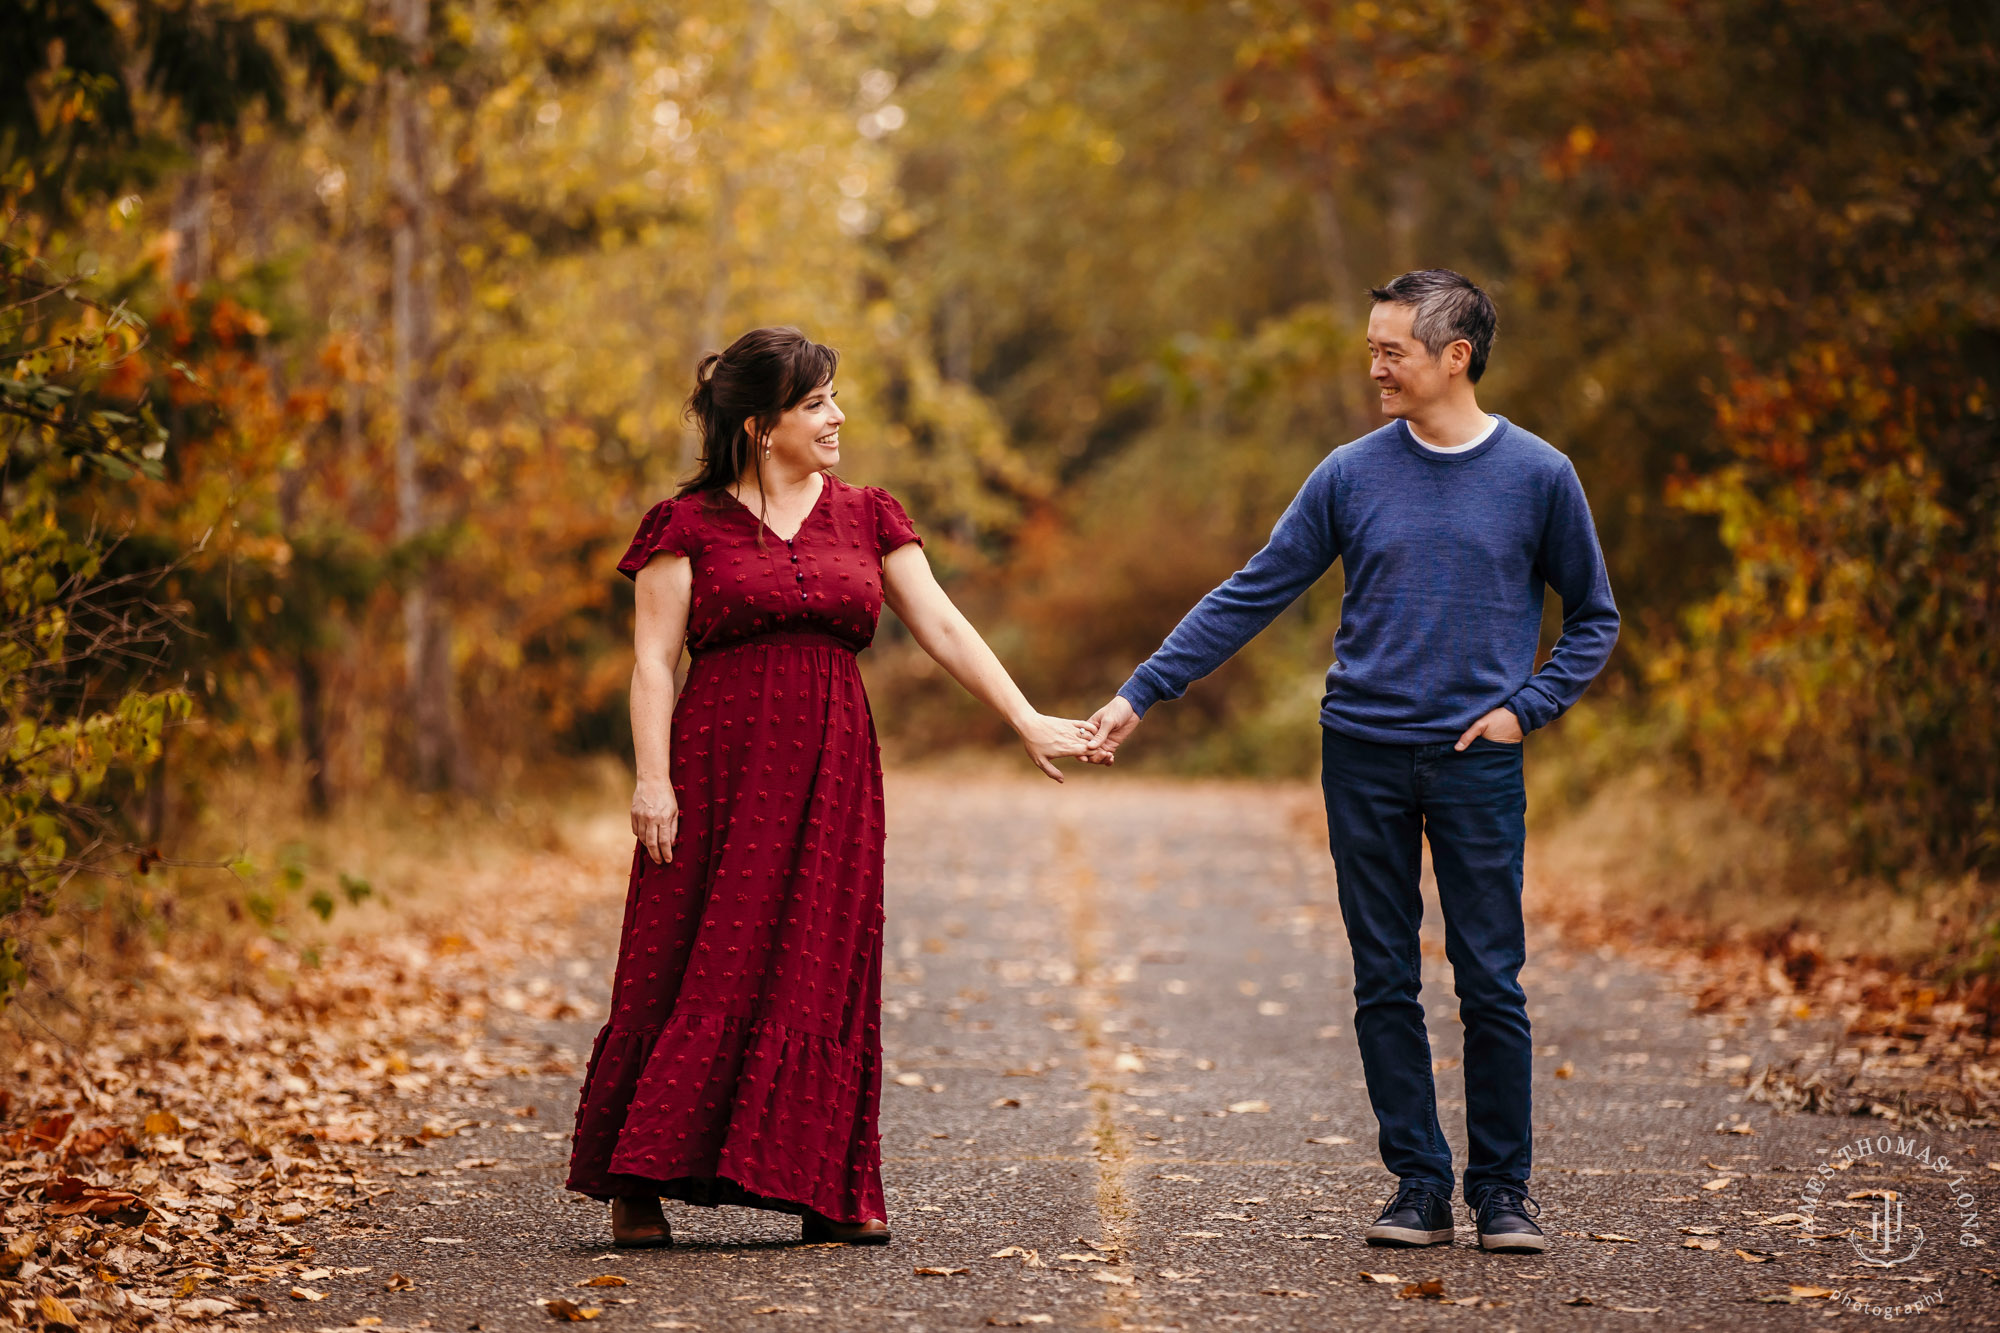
1407,377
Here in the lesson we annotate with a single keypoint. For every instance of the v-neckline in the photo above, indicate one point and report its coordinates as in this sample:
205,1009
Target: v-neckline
825,484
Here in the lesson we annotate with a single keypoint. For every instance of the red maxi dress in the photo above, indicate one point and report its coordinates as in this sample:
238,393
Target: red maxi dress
742,1060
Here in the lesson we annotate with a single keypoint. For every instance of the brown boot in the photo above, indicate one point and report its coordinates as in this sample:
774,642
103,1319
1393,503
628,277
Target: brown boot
638,1224
817,1230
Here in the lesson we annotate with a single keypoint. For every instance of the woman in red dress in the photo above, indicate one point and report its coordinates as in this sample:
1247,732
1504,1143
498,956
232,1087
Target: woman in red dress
742,1060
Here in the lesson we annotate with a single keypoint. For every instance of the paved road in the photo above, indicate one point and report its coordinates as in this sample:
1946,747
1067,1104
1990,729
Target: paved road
1119,1029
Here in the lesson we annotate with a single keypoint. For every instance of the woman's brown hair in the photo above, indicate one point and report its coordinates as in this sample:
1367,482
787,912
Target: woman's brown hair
739,394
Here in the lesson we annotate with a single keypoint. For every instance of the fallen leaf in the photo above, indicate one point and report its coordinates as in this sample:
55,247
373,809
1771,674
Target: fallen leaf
1579,1300
910,1080
569,1310
1115,1279
206,1308
1384,1278
941,1272
1740,1128
307,1294
1082,1259
1755,1257
1637,1309
605,1280
1199,1235
1332,1140
1019,1320
55,1311
1778,1298
1721,1183
1565,1070
1701,1231
1249,1108
999,1102
1785,1220
1701,1243
1284,1291
443,1240
1890,1195
397,1282
1192,1180
1431,1289
786,1309
1813,1293
187,1286
1612,1235
470,1163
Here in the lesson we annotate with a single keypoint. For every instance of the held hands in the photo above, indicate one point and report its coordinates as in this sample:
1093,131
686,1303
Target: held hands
1047,739
1499,725
656,818
1109,726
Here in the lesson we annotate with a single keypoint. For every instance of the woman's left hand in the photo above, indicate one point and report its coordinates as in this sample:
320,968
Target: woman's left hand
1047,739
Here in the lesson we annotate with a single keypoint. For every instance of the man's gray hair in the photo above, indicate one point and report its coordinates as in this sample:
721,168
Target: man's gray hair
1449,307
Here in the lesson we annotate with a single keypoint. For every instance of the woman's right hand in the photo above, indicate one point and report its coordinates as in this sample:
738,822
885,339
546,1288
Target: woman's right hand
656,818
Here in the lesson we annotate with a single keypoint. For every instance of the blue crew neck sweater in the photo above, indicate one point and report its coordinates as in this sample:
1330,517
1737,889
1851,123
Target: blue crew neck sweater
1446,556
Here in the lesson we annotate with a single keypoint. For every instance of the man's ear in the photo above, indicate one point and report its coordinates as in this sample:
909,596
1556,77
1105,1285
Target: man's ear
1458,356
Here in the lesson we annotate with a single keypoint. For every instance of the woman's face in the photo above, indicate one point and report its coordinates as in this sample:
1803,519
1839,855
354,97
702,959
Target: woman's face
807,437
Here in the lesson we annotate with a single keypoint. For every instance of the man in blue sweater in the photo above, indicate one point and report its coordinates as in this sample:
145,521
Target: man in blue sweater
1449,523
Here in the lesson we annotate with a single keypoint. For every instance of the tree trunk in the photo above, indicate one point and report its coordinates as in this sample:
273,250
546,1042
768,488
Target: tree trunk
1406,215
722,226
301,599
1343,296
190,218
412,302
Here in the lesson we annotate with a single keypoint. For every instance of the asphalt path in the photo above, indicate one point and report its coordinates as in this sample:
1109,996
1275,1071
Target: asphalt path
1123,1092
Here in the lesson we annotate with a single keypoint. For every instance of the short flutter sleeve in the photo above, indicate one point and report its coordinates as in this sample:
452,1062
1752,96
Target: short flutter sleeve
667,527
892,526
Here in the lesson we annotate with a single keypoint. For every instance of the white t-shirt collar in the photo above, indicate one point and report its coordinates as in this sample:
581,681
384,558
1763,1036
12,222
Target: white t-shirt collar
1492,424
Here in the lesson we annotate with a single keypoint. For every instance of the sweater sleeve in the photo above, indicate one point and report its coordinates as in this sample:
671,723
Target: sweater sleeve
1303,546
1571,562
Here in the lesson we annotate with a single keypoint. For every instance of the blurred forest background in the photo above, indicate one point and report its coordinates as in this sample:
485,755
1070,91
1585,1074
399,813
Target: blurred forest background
344,343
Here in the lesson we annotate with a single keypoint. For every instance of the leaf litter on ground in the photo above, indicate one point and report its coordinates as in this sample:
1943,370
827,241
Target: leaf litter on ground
177,1131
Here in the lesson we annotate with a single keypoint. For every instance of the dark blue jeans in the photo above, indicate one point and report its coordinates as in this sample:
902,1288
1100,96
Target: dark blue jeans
1381,801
